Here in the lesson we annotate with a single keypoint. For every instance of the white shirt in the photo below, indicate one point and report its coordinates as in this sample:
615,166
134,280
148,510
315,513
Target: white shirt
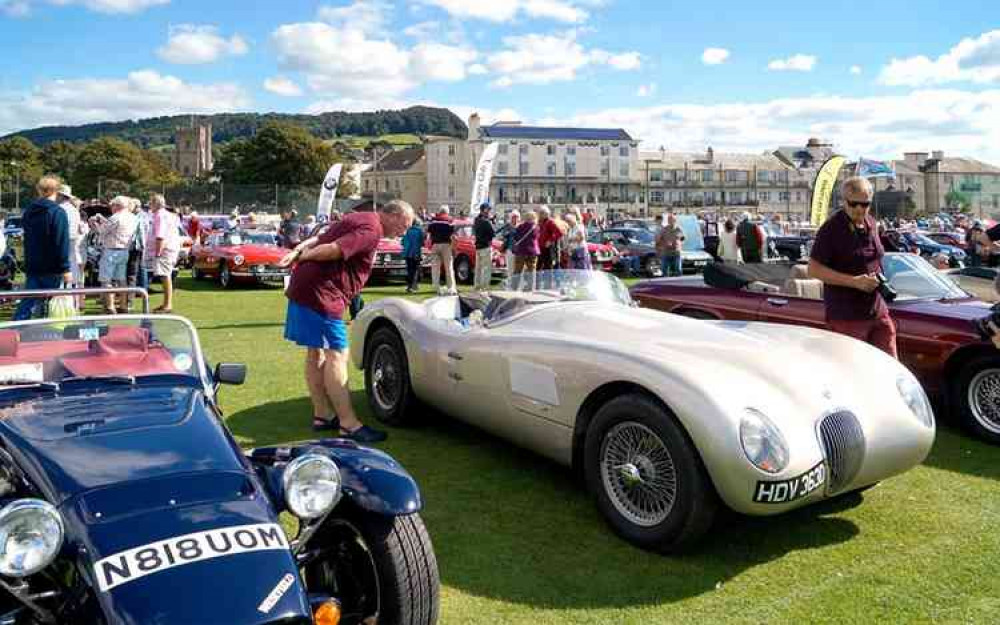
729,251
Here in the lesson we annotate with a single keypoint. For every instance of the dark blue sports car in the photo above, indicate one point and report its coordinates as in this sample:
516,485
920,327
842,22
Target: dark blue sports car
124,499
929,247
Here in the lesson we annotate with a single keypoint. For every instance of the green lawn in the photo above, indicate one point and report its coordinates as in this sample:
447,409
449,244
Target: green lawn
519,541
362,142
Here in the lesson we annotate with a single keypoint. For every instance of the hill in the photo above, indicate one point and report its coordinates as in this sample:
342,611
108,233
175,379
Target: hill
159,131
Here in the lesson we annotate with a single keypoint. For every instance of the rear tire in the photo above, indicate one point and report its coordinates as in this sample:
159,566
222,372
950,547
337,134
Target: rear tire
975,398
463,270
387,378
647,476
225,276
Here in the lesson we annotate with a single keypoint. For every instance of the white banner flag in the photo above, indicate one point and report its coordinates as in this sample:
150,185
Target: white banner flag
329,192
484,173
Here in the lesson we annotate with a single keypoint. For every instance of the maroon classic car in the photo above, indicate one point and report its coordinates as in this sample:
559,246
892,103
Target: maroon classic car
936,337
238,256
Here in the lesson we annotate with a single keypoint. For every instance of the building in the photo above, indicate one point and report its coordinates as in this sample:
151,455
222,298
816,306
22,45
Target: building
400,174
597,167
193,151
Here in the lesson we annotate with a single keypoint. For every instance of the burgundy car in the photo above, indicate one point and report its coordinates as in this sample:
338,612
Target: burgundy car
934,317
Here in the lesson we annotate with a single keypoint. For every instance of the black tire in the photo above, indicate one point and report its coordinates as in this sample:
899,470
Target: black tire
197,274
463,270
970,401
652,267
225,277
694,504
405,573
385,357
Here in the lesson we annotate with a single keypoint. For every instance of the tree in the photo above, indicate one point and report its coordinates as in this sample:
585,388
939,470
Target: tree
108,160
957,198
26,158
278,154
60,158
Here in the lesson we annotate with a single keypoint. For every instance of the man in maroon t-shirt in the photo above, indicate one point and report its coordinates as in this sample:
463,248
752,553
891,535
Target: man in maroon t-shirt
847,257
332,268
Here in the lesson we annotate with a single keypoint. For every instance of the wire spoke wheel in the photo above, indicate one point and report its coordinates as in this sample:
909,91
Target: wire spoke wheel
984,399
387,379
638,473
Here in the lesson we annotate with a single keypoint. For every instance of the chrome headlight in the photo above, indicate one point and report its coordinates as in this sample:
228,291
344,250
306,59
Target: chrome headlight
762,442
914,396
312,486
31,535
238,260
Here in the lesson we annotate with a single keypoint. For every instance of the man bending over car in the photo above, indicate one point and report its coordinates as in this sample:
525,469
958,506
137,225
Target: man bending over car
332,267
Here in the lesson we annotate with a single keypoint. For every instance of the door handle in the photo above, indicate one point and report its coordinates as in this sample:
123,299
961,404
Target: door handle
777,302
455,376
455,356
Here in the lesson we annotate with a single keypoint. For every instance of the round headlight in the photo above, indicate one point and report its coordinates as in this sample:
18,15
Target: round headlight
31,534
762,442
238,260
914,396
312,486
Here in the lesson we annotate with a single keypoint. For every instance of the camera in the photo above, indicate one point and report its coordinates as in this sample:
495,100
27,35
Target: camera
888,293
982,326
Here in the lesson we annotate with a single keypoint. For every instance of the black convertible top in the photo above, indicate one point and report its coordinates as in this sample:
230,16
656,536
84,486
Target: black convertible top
734,277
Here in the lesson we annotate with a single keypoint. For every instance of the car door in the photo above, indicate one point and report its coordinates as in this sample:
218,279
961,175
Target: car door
798,311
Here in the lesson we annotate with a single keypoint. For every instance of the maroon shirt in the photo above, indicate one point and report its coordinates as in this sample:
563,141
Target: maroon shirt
843,247
327,287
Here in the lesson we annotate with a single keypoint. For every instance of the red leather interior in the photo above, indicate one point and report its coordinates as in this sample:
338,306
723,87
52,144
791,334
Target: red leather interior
121,339
136,363
8,342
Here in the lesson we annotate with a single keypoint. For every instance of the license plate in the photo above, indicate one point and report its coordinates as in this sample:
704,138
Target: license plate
701,263
397,272
787,491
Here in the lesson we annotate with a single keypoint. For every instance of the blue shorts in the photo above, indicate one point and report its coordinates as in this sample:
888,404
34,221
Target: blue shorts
308,328
113,267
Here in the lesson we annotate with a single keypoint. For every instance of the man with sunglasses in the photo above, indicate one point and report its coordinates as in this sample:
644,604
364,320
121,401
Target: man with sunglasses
847,257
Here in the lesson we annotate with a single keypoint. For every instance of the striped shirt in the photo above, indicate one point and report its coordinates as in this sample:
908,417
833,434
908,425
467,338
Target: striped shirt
117,232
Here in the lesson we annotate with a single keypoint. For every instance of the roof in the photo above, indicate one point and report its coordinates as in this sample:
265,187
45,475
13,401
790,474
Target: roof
401,160
963,166
511,131
720,160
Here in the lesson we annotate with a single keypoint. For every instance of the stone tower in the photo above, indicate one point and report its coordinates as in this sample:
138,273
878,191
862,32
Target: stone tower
193,150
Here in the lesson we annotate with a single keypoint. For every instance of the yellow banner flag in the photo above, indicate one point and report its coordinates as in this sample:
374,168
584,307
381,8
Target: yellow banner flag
826,181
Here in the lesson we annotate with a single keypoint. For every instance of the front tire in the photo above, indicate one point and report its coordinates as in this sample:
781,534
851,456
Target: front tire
197,274
646,475
378,566
225,276
387,378
976,398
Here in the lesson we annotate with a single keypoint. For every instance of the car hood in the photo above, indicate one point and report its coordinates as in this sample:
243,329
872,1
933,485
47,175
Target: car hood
959,311
390,246
255,253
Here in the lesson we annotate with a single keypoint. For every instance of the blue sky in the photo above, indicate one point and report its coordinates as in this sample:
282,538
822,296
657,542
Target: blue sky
874,79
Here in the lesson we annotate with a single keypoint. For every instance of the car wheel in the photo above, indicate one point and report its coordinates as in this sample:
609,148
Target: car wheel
387,378
197,274
653,267
647,476
463,270
377,567
976,397
225,277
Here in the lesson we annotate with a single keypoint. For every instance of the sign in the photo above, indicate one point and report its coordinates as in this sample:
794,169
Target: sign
823,187
329,192
484,174
971,187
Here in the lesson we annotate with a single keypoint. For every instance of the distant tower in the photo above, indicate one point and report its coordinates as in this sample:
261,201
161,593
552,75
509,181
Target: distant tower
193,150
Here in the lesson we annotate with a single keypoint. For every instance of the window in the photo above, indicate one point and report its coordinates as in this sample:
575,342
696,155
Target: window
605,150
656,175
451,168
501,194
623,170
451,150
656,197
572,194
502,168
623,151
707,175
784,196
763,176
550,150
570,168
570,150
996,201
550,169
736,176
502,149
798,196
368,185
710,197
765,196
524,168
524,150
552,192
605,168
451,192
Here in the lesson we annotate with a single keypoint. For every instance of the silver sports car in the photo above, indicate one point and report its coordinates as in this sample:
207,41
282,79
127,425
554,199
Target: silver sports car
667,417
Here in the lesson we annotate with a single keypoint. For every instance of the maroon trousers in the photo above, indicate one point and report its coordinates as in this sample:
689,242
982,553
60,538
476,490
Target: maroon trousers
880,332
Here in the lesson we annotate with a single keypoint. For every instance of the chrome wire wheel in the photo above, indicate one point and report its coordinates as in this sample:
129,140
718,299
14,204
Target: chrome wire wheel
387,381
984,399
638,473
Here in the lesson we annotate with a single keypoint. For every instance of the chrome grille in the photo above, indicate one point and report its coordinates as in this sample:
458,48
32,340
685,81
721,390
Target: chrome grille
843,443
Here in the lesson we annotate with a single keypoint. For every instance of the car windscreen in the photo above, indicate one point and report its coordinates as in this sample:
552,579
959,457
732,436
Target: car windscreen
694,241
259,238
570,285
914,278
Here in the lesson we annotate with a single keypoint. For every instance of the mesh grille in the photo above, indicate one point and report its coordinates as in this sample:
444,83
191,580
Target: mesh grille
844,447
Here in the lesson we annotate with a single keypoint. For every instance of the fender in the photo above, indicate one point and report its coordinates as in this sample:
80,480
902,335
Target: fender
372,479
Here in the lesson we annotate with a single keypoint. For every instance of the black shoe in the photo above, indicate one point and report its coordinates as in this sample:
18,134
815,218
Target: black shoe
364,434
325,425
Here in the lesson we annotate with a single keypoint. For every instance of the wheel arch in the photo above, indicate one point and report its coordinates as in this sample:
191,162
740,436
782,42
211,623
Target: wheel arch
954,364
373,327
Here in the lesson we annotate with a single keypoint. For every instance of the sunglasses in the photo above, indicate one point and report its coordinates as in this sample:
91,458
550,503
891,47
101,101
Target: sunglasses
857,204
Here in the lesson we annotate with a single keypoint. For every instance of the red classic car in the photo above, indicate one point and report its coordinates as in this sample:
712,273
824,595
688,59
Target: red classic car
389,261
465,253
237,256
934,317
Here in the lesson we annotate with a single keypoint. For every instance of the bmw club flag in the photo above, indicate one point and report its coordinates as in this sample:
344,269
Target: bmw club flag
484,173
875,169
329,192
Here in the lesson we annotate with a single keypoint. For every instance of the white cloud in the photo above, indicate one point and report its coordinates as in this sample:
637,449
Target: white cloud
794,63
477,69
436,61
21,8
714,56
856,70
543,59
422,30
567,11
971,60
958,122
280,85
191,44
368,16
645,91
141,94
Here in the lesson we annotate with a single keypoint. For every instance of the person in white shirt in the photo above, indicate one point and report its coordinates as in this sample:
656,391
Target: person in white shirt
729,249
78,230
163,247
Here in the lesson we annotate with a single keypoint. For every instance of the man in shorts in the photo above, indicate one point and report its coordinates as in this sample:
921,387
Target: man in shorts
116,234
332,268
163,247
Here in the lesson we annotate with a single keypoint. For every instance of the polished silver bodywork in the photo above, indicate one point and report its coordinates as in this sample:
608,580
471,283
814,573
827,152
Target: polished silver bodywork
528,378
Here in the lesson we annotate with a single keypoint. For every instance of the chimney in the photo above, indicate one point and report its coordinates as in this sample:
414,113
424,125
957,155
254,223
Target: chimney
474,127
938,155
710,155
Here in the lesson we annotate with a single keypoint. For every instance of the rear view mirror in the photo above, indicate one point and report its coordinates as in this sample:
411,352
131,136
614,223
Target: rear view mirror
230,373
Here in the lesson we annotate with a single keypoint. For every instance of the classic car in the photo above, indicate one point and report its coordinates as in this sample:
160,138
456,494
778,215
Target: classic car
981,282
126,500
936,337
636,248
389,261
239,256
794,246
666,417
929,247
12,227
951,239
465,254
694,256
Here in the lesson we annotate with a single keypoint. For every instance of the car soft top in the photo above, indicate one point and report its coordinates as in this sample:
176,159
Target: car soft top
734,277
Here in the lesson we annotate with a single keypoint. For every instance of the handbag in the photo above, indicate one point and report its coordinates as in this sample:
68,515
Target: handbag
62,307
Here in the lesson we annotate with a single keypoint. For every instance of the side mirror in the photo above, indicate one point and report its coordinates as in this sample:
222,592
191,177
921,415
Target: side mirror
230,373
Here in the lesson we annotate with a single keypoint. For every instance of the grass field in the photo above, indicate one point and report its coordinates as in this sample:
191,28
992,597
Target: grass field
362,142
519,541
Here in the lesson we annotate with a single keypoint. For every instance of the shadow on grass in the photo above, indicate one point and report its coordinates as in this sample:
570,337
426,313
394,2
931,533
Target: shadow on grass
957,451
509,525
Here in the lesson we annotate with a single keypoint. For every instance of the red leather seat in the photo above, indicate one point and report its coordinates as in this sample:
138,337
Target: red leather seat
9,340
124,339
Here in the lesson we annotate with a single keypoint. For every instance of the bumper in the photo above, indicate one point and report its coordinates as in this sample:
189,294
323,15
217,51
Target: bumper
268,276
